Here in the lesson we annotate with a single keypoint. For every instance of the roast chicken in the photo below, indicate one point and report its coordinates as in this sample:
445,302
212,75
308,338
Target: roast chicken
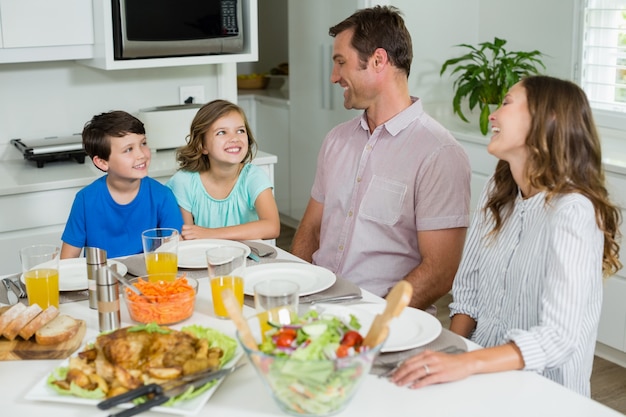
126,359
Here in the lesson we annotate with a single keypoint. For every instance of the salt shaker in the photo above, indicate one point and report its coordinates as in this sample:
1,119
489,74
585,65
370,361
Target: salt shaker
107,293
96,259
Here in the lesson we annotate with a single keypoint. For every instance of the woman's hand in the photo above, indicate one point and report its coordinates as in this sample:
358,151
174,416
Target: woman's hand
430,367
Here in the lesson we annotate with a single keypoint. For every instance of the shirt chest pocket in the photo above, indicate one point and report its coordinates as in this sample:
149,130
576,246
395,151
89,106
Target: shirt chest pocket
383,200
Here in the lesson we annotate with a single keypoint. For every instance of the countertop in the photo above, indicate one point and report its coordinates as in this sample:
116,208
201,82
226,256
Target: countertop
22,176
613,141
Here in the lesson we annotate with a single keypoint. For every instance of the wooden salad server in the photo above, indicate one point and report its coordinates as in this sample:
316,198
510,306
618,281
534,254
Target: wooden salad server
234,311
398,298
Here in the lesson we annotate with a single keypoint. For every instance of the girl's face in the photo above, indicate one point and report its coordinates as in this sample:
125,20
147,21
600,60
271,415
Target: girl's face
510,125
227,139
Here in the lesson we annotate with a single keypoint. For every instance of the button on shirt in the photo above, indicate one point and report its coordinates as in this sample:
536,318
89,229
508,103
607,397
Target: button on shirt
380,189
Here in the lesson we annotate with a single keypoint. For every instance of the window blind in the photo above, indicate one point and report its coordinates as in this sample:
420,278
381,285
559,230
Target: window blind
603,69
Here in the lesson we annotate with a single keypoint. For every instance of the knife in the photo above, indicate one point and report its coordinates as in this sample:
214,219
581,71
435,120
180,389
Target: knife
12,296
330,299
160,394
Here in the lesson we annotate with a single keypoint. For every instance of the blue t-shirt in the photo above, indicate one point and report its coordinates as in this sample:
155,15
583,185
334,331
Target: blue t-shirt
237,208
96,220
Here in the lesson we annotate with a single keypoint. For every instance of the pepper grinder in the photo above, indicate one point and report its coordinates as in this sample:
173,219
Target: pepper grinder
107,294
96,259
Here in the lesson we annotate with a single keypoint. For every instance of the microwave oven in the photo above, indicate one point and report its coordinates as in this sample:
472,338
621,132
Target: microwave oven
171,28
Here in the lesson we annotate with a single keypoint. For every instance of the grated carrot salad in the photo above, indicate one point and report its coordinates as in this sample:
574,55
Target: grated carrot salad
169,301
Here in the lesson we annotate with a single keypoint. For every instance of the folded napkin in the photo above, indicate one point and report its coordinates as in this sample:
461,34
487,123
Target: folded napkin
267,251
447,341
341,287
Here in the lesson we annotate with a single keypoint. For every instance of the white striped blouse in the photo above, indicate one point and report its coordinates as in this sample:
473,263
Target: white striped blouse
538,283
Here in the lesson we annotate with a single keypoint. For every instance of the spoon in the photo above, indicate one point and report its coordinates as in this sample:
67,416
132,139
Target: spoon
234,311
398,298
122,280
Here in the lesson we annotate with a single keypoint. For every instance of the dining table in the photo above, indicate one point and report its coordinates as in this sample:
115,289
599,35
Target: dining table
242,394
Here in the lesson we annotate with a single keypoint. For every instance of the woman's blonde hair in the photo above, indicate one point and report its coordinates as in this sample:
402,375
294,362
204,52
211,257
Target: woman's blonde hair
190,156
564,157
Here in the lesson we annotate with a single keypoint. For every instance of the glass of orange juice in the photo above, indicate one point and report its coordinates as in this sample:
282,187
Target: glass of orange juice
226,266
160,249
40,266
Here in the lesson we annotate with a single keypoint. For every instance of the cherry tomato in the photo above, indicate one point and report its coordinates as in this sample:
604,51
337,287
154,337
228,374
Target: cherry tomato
285,337
342,351
352,339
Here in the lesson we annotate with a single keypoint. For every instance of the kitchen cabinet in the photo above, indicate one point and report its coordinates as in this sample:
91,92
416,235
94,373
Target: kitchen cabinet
272,133
35,202
103,44
44,30
315,104
267,112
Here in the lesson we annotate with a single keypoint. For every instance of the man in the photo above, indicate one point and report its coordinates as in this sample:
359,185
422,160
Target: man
390,199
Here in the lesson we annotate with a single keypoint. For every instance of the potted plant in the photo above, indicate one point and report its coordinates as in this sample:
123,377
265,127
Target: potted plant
486,73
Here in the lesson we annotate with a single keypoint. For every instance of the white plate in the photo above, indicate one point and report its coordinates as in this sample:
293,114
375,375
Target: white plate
192,253
73,273
42,392
413,328
311,278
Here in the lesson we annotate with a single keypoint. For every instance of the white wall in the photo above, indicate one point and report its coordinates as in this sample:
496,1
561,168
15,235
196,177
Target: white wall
57,98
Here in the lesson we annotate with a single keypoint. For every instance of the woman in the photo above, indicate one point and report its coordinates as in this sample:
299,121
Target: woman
529,287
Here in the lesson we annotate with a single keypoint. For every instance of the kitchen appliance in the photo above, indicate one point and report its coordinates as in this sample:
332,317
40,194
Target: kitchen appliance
167,126
168,28
51,149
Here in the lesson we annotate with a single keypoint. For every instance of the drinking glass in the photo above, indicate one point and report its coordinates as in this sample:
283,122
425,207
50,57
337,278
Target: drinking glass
226,265
40,265
160,248
276,301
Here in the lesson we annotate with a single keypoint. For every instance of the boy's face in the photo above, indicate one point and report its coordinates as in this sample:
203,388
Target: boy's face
130,157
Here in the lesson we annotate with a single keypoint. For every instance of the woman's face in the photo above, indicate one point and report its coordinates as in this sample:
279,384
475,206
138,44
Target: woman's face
510,125
227,139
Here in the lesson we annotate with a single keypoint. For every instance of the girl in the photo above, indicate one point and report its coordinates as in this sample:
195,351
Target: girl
529,287
219,192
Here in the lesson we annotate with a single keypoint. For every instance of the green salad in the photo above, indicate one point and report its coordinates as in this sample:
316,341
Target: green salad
314,365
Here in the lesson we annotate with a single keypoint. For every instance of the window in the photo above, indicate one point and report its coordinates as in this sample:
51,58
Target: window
603,60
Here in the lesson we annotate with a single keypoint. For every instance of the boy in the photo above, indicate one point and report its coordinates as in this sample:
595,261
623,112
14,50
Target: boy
111,212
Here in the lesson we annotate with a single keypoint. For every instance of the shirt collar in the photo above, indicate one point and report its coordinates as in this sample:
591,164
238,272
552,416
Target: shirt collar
401,120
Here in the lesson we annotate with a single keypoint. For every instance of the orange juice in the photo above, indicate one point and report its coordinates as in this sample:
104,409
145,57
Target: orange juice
219,284
42,287
162,263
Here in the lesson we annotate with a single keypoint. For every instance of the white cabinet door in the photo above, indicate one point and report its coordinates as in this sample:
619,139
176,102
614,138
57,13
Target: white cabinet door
272,135
316,105
612,330
36,23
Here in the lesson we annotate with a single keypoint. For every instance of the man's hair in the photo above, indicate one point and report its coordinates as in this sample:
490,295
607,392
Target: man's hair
379,27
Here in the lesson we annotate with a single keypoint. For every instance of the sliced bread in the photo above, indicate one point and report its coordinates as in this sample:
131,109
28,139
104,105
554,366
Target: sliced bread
11,331
11,314
61,329
38,322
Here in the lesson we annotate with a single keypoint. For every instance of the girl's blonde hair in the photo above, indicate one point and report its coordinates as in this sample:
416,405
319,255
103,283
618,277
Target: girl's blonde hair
190,156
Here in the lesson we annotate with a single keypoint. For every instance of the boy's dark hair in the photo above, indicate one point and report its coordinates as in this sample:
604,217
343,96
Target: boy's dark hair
97,131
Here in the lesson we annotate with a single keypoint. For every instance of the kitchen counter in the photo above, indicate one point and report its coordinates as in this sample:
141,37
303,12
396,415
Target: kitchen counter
35,202
21,176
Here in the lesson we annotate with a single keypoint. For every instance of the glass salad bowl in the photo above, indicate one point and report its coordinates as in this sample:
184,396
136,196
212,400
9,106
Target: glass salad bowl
302,386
